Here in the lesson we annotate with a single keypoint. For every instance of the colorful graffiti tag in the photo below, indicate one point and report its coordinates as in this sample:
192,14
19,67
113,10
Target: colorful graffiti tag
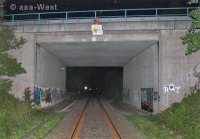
48,96
54,95
36,95
42,95
147,99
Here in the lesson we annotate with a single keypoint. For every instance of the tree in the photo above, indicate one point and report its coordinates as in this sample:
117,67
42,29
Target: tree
8,64
192,38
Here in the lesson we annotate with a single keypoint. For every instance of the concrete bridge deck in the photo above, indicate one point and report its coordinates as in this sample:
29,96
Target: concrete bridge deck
101,20
113,26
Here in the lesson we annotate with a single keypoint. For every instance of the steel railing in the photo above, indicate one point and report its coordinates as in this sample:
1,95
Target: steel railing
93,14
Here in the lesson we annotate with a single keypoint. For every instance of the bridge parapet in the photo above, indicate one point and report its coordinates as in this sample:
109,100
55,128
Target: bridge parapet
115,26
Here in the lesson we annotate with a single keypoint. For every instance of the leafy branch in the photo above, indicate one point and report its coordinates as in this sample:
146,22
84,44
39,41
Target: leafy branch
192,38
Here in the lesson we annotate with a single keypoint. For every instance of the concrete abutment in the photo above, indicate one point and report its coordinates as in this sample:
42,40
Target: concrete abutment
141,74
160,62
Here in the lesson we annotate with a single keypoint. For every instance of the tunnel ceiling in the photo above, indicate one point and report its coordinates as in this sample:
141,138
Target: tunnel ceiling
100,54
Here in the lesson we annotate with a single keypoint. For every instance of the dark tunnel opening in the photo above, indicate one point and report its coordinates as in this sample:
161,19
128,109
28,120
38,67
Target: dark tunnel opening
95,81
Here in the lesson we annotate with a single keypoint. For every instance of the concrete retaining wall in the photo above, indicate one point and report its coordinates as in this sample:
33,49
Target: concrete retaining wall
50,71
50,78
43,68
176,67
141,72
25,55
175,71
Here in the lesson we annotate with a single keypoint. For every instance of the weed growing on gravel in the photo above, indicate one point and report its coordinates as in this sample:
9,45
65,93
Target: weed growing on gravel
47,127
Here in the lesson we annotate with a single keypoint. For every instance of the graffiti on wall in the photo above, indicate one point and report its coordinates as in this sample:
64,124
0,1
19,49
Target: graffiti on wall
48,96
36,95
54,95
59,98
42,95
147,99
126,95
171,88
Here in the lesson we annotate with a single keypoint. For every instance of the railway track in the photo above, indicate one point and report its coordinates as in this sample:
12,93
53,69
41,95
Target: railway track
78,127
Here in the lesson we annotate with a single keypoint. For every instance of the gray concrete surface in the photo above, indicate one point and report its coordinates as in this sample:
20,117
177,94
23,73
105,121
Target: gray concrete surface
67,108
25,55
50,71
176,68
97,53
120,42
43,68
141,72
138,25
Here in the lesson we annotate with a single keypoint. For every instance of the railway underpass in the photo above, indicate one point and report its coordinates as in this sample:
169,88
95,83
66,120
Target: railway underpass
92,123
156,73
150,53
106,54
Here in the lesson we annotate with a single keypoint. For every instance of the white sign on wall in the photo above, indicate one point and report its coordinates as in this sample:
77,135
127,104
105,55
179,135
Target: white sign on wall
97,30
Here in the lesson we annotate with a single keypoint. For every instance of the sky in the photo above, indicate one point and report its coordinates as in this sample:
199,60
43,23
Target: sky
20,6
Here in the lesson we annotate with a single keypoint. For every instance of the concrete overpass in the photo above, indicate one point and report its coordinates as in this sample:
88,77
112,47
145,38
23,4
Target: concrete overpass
150,52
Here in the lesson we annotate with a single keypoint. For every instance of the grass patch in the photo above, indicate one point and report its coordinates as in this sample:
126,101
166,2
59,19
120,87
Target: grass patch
180,120
17,117
149,128
47,127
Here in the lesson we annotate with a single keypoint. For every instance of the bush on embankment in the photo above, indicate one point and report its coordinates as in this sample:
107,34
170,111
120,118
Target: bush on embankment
181,119
17,117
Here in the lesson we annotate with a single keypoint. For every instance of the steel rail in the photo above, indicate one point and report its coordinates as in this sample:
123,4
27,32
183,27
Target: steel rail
73,133
78,126
113,125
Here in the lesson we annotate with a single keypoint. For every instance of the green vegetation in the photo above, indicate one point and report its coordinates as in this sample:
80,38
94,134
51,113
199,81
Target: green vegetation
180,120
150,128
8,64
17,118
47,127
192,38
